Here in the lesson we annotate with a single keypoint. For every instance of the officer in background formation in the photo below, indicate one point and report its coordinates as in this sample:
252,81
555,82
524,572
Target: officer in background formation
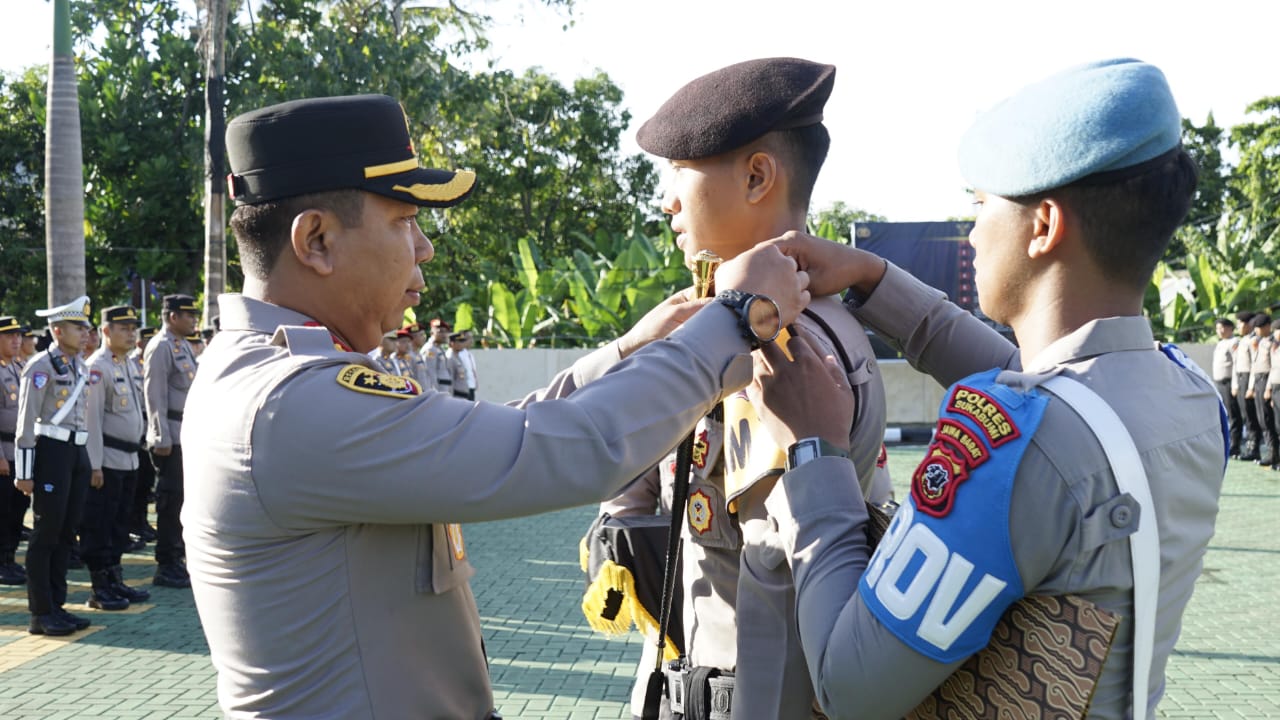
1080,181
1250,431
52,463
117,427
1273,389
13,504
385,354
139,526
169,366
29,339
459,379
1259,373
436,354
411,364
1224,352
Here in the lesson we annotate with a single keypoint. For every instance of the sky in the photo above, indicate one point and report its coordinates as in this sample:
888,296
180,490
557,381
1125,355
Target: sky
911,75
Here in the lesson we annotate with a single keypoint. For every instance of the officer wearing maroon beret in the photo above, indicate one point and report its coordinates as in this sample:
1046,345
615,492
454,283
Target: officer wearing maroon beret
751,137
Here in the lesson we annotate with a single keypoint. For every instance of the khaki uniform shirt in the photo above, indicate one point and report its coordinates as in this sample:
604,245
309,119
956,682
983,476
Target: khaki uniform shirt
10,382
115,410
1223,355
48,382
1241,363
1274,377
169,367
1068,532
329,576
412,366
739,600
1261,364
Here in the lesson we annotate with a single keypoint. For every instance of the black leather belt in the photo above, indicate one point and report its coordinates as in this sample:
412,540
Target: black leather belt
175,415
444,382
7,436
117,444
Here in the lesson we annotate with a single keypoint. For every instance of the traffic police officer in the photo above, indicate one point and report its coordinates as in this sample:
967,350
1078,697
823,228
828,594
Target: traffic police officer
168,367
330,576
1224,352
1080,181
52,464
1250,430
13,504
117,424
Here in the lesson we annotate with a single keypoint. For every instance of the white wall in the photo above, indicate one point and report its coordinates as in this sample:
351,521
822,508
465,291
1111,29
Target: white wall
912,397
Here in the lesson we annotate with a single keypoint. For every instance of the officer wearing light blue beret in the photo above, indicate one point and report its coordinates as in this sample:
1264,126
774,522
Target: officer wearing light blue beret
1079,181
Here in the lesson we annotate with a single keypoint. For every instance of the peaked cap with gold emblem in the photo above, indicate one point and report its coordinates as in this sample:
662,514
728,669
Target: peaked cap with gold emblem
125,314
75,311
334,143
10,324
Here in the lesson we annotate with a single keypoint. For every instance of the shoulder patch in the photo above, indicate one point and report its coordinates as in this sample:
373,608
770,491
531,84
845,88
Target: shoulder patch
986,412
366,380
39,379
954,453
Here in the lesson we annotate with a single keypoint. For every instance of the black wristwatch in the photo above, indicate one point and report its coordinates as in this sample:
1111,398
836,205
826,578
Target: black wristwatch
811,448
758,315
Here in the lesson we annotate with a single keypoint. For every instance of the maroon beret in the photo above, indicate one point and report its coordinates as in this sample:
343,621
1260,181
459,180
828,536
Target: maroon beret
728,108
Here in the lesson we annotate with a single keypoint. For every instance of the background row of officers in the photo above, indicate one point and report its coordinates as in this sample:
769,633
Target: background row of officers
90,417
1246,368
441,362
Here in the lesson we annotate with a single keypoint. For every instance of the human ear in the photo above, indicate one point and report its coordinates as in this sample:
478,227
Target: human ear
1049,218
311,239
762,175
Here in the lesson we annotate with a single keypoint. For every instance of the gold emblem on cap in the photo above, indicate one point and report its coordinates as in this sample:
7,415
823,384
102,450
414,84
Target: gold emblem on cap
395,168
460,184
86,309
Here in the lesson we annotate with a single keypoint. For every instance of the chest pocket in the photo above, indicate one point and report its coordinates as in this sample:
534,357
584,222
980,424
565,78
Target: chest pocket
707,519
184,371
441,563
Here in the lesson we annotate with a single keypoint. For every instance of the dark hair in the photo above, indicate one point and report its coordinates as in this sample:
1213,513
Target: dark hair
802,149
1225,322
1126,225
262,230
1259,320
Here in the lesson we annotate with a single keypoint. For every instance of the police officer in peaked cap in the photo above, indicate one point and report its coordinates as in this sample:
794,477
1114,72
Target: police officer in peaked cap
307,464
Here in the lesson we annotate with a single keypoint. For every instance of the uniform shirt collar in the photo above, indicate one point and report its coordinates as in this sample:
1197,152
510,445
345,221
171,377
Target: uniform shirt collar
239,312
1096,337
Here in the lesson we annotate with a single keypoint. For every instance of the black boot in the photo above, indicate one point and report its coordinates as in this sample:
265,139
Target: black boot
133,595
174,576
11,573
51,624
78,622
103,597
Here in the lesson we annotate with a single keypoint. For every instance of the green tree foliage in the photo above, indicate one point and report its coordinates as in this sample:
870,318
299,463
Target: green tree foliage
839,218
1231,239
546,155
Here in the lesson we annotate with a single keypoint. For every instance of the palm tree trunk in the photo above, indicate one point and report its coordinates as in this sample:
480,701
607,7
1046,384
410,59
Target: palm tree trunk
64,169
215,238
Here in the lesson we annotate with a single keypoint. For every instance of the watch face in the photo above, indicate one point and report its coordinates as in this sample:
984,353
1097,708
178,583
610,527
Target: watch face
762,316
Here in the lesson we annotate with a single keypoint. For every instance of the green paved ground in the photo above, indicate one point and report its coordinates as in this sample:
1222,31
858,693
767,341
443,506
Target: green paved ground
152,662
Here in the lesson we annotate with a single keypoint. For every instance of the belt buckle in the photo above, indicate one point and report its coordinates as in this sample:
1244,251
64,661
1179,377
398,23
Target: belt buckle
721,697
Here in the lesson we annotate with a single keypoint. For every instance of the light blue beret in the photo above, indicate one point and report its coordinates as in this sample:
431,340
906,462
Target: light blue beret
1096,118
